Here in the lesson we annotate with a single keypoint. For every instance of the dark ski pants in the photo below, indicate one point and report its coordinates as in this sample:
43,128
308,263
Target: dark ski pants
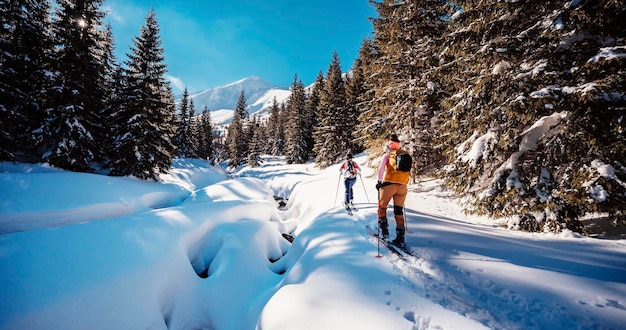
349,183
398,193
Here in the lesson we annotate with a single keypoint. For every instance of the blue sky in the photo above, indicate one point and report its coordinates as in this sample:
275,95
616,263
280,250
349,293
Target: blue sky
212,43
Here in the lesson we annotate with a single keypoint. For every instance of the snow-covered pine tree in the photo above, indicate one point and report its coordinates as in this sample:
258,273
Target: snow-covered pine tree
205,149
296,128
355,89
248,133
308,120
473,114
145,119
26,47
426,28
373,130
369,132
193,134
534,128
280,132
267,146
76,102
312,103
331,141
400,62
112,86
263,135
183,138
220,149
236,140
256,143
273,125
383,72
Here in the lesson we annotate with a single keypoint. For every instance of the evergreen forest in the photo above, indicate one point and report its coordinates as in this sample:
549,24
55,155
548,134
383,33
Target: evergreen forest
518,106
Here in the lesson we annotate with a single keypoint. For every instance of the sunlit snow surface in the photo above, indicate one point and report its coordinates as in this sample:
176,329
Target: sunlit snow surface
202,251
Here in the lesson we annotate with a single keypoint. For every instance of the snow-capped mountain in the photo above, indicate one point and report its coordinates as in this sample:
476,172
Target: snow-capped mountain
222,100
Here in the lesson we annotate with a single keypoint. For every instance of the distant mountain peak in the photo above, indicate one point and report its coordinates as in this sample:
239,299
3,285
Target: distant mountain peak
259,95
248,81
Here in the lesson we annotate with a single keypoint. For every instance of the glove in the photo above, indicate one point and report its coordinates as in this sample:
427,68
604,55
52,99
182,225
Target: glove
378,185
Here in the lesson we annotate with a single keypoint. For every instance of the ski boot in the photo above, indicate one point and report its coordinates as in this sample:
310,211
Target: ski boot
384,228
399,240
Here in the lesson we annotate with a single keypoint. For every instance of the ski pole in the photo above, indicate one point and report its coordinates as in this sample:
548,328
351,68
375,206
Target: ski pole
406,219
378,226
337,192
368,199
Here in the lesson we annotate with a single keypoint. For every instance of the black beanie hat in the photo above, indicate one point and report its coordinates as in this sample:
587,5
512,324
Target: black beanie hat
394,138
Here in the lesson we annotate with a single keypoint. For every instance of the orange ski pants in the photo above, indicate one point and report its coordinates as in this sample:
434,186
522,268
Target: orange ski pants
398,193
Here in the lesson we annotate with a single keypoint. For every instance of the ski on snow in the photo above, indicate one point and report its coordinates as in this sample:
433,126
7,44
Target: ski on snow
350,210
400,252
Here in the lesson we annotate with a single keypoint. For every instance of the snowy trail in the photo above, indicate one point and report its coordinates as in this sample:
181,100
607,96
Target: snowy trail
451,270
213,257
444,285
333,266
498,277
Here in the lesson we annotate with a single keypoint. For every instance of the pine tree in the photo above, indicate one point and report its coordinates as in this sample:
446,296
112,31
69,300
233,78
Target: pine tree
331,139
112,86
264,135
70,134
256,143
400,65
248,134
25,57
384,71
273,127
313,101
144,122
193,135
220,148
355,89
205,135
279,133
236,140
183,138
297,129
535,99
370,130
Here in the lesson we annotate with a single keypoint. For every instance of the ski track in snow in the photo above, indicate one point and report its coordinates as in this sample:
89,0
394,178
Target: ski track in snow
422,274
468,294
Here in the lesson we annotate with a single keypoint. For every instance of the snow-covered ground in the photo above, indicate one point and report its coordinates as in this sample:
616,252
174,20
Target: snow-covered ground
202,251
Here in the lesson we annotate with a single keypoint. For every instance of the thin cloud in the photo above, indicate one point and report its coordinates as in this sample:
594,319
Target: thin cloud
123,13
114,15
177,82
